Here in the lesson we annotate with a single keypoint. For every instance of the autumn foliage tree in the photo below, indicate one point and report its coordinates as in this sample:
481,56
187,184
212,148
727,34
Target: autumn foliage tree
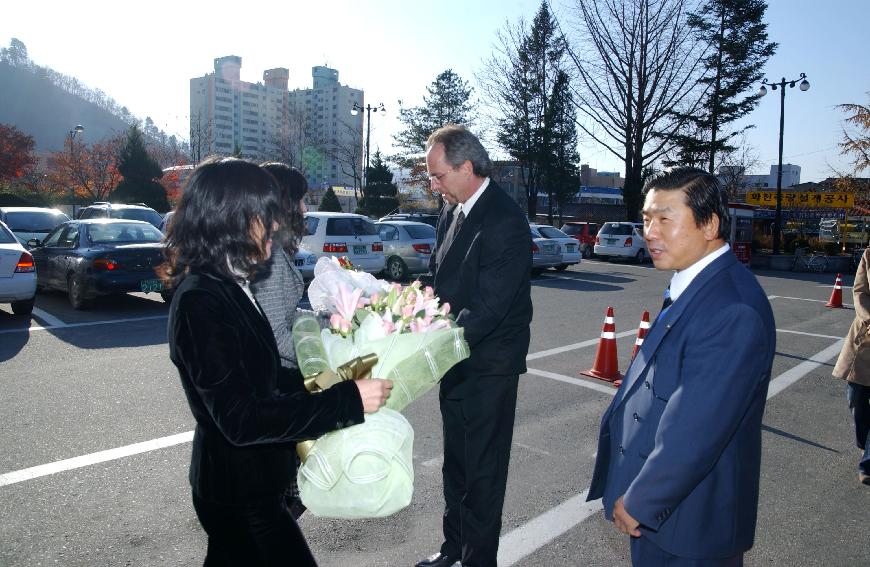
84,173
16,153
856,135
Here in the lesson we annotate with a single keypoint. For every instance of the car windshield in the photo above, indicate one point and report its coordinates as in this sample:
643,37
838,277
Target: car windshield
350,226
34,221
617,229
123,232
551,232
6,237
420,231
146,215
535,233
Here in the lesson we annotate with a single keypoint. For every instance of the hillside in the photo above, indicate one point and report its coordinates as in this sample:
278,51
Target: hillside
41,109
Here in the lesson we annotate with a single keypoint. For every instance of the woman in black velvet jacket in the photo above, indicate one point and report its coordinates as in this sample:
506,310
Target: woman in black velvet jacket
249,410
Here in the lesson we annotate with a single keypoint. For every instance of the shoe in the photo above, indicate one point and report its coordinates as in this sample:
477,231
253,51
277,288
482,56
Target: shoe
439,560
864,478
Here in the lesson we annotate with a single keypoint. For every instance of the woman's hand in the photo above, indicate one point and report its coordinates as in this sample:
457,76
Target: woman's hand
374,393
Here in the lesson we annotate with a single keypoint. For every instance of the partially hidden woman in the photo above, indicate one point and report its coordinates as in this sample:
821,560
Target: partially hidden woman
279,286
249,410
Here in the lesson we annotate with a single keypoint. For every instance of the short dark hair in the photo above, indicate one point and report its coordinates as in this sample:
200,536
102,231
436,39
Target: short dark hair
461,145
704,195
211,227
292,186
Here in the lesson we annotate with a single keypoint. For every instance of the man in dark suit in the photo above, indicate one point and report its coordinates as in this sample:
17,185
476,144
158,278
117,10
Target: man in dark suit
481,266
679,450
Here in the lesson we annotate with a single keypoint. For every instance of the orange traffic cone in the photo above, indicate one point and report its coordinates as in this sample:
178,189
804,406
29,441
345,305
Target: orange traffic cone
606,365
836,301
641,333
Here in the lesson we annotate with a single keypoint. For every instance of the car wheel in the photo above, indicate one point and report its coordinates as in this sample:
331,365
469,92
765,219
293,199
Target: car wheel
76,292
561,267
587,251
640,257
22,307
396,268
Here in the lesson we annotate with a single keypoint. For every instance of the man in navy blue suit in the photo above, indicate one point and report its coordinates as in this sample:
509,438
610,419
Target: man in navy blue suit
679,451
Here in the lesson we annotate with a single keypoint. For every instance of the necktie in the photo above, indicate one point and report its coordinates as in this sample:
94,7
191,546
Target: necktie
460,218
666,304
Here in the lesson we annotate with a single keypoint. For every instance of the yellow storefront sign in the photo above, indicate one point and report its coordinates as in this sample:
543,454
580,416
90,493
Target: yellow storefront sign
803,199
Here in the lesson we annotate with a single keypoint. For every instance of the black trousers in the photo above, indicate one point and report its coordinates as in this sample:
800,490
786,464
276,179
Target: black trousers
478,431
260,534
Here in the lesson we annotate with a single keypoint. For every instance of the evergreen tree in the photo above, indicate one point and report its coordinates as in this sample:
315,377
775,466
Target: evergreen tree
522,83
449,102
140,172
737,36
329,202
562,179
381,195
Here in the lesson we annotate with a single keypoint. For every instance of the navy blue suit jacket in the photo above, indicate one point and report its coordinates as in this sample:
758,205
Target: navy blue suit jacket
682,438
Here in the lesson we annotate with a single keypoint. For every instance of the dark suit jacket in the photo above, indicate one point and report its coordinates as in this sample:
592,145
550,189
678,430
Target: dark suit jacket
485,276
682,437
249,410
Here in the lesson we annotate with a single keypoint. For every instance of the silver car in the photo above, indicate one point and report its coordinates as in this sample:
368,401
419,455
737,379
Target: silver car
545,252
408,245
31,222
568,245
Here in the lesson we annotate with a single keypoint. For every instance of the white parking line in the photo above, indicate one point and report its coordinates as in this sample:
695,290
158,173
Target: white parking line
533,535
63,325
804,299
47,317
94,458
609,390
832,337
575,346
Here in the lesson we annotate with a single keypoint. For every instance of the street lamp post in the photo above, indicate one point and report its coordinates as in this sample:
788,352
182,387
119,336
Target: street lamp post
804,85
72,189
369,109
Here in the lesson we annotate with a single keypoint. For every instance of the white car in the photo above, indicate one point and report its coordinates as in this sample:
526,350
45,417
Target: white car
304,262
31,222
17,273
568,245
345,234
621,240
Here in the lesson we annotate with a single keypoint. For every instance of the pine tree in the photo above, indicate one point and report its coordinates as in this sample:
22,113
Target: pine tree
562,179
449,102
381,197
329,202
140,172
521,84
737,36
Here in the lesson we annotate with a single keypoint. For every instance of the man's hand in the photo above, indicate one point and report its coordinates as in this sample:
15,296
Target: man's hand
623,520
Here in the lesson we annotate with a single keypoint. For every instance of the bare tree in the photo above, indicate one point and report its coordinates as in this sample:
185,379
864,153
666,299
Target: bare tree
637,61
733,167
200,137
347,150
295,139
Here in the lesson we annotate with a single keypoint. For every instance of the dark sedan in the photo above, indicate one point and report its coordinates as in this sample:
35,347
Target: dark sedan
89,258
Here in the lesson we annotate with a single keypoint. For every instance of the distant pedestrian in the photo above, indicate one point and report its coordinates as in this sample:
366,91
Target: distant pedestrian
854,364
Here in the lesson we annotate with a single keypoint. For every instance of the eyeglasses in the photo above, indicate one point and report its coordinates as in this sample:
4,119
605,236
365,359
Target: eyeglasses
439,176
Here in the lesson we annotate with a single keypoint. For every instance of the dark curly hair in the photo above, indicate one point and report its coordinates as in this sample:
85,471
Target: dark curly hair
293,186
211,228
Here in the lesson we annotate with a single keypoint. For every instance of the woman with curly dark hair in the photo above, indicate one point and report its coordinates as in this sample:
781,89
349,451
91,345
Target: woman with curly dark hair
249,409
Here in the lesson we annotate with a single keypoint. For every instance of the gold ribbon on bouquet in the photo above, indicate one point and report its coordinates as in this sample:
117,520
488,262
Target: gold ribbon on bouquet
360,368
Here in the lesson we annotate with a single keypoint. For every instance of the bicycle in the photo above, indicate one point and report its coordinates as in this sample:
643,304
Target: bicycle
806,260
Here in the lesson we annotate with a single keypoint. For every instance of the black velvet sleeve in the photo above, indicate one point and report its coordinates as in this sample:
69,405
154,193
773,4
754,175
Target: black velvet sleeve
231,372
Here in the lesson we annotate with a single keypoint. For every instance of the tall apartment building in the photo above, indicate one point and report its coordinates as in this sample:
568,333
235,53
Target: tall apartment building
311,129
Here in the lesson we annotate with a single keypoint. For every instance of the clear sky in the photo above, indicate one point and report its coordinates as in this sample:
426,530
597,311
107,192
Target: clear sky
144,54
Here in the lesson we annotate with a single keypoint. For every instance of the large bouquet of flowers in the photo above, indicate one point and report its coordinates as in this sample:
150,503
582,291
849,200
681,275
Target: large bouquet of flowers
387,331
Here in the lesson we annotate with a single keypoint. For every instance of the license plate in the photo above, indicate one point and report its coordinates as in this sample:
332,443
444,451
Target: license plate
359,249
151,285
549,249
611,241
569,248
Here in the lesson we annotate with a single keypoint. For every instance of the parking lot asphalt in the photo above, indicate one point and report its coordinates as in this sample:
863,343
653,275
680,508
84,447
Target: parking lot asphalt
95,449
